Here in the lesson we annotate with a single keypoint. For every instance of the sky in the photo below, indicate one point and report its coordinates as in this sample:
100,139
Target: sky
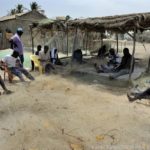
81,8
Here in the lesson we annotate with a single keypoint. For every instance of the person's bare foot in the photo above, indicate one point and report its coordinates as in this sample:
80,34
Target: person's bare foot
111,77
7,92
131,99
98,70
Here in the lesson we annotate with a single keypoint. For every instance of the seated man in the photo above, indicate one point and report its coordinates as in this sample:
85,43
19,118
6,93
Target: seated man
15,67
77,56
102,51
113,61
124,67
39,47
44,58
6,91
140,95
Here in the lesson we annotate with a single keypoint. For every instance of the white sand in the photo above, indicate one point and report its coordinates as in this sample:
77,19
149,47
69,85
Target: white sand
53,113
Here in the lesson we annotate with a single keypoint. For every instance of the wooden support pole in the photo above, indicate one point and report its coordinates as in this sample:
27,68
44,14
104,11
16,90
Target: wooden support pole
75,39
67,41
148,68
117,42
32,39
132,36
87,36
133,52
32,42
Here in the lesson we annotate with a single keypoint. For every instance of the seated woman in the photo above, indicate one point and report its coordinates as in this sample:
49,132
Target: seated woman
113,61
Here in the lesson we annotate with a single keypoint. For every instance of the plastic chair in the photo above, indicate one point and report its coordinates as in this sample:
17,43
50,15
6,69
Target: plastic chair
37,63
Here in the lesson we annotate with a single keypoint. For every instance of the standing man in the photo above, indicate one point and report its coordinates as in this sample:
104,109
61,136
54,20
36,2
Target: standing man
17,45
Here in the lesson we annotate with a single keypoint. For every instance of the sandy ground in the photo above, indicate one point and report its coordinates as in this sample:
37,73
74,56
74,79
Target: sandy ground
55,113
63,113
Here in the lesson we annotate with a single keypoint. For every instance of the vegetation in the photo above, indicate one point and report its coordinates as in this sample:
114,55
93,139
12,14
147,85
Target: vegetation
12,12
20,8
34,6
68,17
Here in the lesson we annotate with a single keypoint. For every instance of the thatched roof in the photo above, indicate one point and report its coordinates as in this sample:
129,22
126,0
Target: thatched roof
54,24
10,17
118,23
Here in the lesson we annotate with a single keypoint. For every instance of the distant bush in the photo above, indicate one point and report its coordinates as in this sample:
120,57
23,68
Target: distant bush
143,37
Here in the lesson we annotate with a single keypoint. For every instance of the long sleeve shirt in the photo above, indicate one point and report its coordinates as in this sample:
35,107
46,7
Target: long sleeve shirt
17,44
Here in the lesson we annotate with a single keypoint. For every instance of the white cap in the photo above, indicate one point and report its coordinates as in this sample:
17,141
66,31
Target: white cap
20,29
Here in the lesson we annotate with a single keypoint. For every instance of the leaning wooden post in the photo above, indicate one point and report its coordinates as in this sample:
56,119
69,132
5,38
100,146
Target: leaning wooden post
148,68
74,43
117,42
32,42
133,52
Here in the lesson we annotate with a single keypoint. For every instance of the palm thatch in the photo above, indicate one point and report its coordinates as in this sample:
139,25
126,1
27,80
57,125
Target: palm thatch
118,23
50,24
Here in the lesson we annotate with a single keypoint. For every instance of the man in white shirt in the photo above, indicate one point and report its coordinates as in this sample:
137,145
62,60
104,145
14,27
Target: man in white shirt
15,67
44,57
